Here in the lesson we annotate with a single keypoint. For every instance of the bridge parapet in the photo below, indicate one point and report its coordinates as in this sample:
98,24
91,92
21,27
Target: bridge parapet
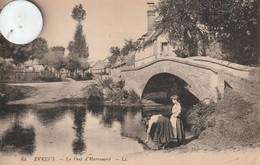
206,79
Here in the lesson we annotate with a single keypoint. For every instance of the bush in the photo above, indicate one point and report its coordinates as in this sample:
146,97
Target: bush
230,123
94,93
133,98
120,84
112,93
198,116
88,76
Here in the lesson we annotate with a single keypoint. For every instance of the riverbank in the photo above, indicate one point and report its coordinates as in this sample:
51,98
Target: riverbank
52,92
13,93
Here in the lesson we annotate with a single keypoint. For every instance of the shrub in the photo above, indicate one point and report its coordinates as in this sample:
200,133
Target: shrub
132,97
197,117
94,93
88,76
120,84
230,123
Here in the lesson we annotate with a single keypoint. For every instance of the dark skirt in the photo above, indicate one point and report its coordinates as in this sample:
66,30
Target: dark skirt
180,130
162,132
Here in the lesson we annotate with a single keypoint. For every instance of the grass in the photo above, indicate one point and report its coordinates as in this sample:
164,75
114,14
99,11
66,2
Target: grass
230,123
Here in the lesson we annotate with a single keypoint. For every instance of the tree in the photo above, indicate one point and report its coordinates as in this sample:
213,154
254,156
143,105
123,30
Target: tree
55,58
129,46
78,13
59,49
115,51
21,53
6,50
180,19
233,23
84,65
39,48
78,48
59,61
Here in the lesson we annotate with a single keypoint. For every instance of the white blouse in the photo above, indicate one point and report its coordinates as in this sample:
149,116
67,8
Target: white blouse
176,109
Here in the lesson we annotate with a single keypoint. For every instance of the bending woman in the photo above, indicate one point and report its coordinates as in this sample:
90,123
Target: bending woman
178,129
163,131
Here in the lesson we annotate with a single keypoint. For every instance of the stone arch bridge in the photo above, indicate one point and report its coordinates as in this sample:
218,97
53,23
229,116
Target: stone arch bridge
206,78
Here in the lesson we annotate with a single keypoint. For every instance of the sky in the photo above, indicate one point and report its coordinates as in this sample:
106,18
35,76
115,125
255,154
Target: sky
107,24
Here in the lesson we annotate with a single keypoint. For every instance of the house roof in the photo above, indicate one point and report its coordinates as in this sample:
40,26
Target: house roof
91,64
100,64
119,61
152,37
130,58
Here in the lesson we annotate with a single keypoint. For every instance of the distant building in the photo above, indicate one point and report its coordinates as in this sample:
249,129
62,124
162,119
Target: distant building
100,67
33,66
125,61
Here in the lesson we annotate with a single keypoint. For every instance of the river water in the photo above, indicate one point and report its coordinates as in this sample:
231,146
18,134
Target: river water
60,131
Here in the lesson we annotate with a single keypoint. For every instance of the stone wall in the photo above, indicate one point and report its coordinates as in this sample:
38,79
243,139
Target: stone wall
205,79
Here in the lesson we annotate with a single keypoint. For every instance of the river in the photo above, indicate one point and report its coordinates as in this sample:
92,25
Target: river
57,130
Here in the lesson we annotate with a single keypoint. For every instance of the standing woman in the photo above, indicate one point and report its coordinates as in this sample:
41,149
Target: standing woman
178,129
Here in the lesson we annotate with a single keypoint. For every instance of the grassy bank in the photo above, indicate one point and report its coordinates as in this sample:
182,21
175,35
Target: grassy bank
12,93
230,123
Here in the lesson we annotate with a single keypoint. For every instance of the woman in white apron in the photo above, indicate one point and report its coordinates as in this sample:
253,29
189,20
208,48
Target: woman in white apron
178,129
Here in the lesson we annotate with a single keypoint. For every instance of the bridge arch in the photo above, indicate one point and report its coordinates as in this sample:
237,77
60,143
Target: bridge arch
161,86
198,79
186,82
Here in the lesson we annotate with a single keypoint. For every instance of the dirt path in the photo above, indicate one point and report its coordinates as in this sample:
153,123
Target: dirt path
54,91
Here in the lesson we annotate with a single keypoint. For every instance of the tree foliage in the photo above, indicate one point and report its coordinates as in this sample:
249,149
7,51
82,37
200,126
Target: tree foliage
55,58
21,53
78,49
129,46
6,50
78,13
233,23
115,51
60,49
39,48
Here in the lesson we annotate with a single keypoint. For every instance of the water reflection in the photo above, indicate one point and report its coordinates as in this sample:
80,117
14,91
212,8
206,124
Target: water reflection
78,145
111,114
77,129
49,116
17,138
10,111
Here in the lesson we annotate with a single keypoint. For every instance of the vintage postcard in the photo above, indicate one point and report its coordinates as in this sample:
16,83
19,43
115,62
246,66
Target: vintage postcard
131,82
